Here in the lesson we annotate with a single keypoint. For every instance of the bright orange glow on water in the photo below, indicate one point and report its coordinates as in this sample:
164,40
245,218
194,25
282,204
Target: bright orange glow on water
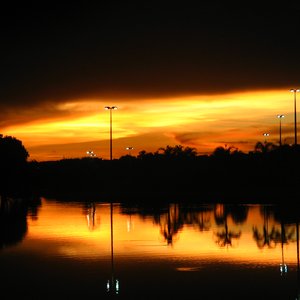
201,121
84,233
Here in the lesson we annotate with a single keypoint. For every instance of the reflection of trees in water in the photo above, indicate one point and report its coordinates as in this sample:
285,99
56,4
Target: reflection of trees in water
13,219
89,210
266,237
199,216
225,237
200,219
172,217
238,213
170,223
285,234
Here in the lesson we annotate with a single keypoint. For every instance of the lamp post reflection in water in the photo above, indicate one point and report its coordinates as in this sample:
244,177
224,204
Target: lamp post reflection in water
283,266
112,284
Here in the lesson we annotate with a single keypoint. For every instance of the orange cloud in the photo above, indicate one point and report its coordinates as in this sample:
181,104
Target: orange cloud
71,128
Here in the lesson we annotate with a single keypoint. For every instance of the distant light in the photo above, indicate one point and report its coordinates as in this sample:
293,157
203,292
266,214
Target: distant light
283,268
90,153
113,286
266,134
117,286
280,116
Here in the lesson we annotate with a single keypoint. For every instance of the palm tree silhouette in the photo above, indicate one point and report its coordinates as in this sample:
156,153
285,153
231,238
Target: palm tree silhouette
266,238
225,237
171,223
264,147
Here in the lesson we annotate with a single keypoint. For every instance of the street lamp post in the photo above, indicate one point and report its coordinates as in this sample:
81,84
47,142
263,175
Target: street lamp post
110,108
295,113
265,135
129,150
280,117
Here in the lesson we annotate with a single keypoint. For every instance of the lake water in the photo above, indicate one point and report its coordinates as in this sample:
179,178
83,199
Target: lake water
79,250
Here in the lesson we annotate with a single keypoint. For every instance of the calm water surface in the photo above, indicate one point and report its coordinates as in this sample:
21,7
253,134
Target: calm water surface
56,250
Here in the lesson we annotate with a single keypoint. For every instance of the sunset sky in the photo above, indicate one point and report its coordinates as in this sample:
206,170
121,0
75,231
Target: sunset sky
201,76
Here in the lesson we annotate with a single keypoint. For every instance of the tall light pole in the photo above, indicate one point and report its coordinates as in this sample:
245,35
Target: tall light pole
295,113
110,108
129,150
280,117
265,135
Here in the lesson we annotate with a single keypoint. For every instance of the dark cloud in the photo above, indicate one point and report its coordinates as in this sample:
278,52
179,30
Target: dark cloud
54,52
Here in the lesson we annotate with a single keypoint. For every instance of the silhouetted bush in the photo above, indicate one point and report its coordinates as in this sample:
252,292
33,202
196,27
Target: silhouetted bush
13,163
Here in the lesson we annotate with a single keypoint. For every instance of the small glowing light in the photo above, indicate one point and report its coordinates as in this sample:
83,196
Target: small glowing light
117,286
283,268
280,116
90,153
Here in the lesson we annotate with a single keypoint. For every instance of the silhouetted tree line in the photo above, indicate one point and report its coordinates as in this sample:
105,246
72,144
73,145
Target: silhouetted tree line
176,173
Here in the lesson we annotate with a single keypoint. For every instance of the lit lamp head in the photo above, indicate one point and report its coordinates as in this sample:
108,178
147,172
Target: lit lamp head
90,153
280,116
111,107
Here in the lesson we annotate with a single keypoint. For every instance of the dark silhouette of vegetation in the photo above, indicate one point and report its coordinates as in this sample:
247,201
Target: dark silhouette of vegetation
222,212
176,173
269,173
264,147
13,219
266,238
13,165
170,224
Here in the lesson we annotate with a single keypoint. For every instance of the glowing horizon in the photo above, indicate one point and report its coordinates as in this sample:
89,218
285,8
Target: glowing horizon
200,121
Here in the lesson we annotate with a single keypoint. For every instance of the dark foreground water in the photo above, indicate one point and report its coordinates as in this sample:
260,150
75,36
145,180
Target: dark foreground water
54,250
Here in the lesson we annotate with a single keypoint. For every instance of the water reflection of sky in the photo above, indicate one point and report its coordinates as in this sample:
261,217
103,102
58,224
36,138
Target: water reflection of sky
83,232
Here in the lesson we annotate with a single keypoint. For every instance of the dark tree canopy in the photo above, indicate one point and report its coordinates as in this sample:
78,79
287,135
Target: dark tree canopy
13,165
12,151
